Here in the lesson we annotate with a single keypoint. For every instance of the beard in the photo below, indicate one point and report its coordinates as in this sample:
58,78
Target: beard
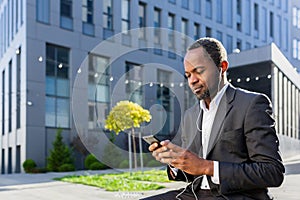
204,95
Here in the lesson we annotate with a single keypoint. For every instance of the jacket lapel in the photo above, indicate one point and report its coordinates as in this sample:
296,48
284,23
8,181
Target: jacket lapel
223,109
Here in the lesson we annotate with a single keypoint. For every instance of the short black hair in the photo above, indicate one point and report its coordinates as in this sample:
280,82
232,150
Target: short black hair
213,47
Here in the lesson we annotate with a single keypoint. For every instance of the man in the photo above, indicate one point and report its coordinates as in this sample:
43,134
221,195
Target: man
229,145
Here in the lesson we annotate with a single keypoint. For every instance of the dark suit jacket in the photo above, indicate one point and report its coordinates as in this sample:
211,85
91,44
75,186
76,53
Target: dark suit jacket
244,141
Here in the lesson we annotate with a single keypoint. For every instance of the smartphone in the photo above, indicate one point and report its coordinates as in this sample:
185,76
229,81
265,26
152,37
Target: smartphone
150,139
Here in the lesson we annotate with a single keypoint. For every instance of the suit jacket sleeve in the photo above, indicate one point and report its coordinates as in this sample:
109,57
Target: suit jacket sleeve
263,167
181,176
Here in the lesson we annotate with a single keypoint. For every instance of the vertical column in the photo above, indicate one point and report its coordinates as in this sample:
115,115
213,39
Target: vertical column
289,110
280,103
297,120
284,106
293,112
275,96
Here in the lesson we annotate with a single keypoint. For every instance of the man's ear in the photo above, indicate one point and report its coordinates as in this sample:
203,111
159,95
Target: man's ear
224,66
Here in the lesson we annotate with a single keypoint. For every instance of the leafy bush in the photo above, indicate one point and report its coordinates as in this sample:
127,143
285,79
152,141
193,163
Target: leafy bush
89,160
97,166
124,164
66,168
38,170
92,163
60,154
153,163
29,165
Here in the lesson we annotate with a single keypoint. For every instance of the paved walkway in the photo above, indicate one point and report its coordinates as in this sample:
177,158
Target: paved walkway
43,187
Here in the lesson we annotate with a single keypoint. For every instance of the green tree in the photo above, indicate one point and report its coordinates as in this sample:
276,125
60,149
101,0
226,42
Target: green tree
60,155
127,115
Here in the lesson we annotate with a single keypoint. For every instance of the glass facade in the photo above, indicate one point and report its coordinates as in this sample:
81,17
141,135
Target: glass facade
125,16
134,82
164,99
42,11
98,90
108,14
57,87
88,17
142,20
66,14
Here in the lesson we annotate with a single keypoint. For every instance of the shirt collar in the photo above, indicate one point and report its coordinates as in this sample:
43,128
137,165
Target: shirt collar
216,100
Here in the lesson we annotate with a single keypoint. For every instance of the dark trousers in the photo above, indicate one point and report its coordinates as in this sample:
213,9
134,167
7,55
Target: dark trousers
187,195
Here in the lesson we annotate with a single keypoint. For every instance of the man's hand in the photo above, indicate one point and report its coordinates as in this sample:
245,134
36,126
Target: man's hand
181,158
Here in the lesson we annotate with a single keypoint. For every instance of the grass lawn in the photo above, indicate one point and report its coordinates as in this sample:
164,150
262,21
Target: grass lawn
137,181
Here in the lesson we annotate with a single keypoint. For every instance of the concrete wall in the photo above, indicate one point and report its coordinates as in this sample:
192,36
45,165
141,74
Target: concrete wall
289,147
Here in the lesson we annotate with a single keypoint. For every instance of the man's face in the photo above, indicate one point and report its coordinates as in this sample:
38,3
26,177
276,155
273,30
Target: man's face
202,73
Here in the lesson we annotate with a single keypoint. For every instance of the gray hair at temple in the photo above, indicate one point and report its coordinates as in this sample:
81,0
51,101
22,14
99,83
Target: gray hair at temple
213,47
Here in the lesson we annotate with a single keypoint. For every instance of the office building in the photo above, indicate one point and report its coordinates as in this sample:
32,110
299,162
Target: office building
46,45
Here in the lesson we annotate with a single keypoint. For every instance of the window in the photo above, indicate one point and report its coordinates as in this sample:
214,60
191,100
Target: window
17,16
157,25
296,49
3,162
229,18
98,90
8,24
239,44
57,87
134,80
239,15
295,16
108,14
256,17
264,24
248,45
298,19
88,17
66,8
66,14
239,7
9,163
18,159
208,32
278,31
219,6
185,4
164,99
21,12
142,20
247,24
87,11
285,5
279,4
171,36
197,6
286,38
229,43
172,1
196,31
238,26
271,24
184,35
157,34
208,9
42,11
219,36
125,16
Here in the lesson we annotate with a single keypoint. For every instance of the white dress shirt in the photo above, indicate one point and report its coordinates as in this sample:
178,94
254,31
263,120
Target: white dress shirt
207,122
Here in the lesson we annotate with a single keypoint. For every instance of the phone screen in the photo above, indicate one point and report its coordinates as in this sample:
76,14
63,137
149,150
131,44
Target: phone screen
150,139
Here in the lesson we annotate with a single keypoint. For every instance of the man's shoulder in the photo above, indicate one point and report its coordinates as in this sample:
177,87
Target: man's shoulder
248,94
